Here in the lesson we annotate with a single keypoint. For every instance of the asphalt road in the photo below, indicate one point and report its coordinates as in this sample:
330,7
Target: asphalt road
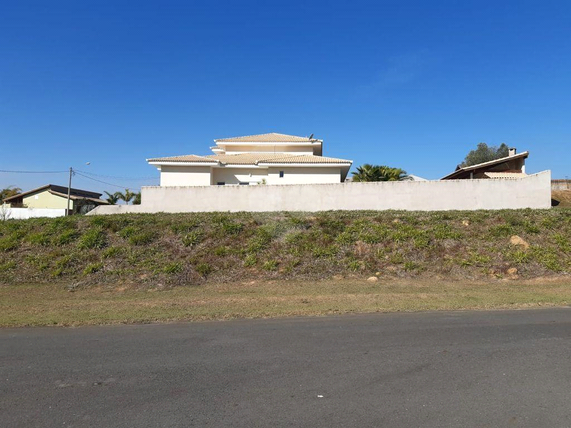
447,369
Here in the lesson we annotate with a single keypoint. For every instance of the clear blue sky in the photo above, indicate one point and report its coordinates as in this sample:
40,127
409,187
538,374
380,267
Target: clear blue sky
413,84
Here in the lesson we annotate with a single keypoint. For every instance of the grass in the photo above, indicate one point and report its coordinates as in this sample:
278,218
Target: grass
49,304
563,197
156,250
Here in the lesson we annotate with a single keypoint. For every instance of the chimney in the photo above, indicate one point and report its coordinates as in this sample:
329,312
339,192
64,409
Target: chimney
512,151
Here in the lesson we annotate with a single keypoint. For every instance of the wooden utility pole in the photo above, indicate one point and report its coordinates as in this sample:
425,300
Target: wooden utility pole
69,190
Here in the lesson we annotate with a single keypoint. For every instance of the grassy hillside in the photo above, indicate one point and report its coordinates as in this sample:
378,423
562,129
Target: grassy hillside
163,250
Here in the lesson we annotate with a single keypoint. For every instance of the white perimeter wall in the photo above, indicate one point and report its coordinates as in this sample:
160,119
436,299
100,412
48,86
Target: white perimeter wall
533,191
25,213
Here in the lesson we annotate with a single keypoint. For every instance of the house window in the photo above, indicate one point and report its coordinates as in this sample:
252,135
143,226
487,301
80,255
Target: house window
281,174
221,183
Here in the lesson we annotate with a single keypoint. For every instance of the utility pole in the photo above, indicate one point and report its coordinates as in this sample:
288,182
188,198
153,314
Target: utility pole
69,190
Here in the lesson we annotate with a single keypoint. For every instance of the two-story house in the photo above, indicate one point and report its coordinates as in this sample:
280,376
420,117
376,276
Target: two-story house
256,159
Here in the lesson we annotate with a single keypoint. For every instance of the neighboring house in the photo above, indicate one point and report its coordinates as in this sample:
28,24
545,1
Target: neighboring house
55,197
512,166
412,177
256,159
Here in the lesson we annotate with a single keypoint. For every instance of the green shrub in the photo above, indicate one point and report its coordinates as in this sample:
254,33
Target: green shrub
40,238
501,230
172,268
192,238
562,242
142,238
127,232
203,269
231,228
250,260
65,237
92,268
328,251
93,238
259,241
270,265
111,252
5,267
410,266
8,243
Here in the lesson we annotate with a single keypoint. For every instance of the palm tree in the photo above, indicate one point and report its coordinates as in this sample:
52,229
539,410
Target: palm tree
137,199
393,174
127,196
368,172
112,198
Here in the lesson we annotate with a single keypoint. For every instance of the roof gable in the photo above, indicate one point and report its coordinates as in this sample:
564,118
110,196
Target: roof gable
56,188
272,137
499,161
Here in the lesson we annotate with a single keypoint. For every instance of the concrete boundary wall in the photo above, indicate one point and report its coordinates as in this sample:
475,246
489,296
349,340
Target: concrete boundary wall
560,184
26,213
533,191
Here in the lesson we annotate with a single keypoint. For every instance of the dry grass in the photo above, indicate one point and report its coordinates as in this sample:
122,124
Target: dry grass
563,197
35,305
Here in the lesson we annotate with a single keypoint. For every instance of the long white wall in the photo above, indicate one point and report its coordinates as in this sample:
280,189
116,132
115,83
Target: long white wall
25,213
533,191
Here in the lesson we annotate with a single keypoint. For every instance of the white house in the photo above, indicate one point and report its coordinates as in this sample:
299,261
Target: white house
255,159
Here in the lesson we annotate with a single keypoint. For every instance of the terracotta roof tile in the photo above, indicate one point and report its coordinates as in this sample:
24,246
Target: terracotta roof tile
271,137
183,158
253,159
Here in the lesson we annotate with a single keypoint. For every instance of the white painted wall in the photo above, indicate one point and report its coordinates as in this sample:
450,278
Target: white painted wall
230,175
25,213
185,175
533,191
269,148
304,175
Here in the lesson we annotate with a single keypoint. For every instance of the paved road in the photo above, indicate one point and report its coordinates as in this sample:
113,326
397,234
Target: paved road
453,369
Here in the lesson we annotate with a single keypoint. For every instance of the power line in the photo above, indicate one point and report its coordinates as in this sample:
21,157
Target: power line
116,177
101,181
32,172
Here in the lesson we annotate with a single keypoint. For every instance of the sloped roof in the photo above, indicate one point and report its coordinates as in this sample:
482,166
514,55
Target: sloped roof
61,189
253,159
460,170
310,159
506,174
183,158
272,137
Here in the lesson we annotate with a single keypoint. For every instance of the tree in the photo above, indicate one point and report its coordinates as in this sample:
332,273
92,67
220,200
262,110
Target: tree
368,172
137,199
126,197
9,192
112,198
484,153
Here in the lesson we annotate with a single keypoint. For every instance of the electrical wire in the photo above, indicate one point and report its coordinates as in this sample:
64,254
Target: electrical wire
33,172
101,181
116,177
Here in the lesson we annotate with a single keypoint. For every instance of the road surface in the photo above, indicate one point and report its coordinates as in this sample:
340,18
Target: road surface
445,369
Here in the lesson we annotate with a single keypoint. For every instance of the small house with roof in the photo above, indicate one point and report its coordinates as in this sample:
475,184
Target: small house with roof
52,196
255,159
511,166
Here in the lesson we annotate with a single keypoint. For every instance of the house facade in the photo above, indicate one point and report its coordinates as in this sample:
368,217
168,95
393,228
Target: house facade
52,196
252,160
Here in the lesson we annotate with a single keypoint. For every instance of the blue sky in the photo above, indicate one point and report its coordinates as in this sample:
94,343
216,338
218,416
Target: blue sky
412,84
